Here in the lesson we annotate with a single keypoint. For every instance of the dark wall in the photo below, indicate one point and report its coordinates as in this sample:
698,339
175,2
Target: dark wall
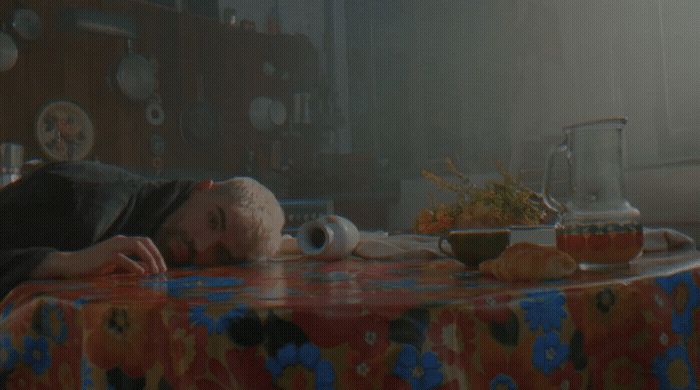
208,8
77,66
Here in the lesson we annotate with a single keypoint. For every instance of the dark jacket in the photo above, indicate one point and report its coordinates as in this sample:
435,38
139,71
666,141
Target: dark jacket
72,205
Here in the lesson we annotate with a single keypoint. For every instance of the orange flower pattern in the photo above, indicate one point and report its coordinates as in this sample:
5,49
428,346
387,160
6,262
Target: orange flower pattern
355,325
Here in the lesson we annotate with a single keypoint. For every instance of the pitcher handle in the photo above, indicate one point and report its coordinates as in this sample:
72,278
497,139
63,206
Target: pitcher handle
443,239
547,185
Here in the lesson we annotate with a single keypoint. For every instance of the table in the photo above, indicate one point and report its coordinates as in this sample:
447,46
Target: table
357,324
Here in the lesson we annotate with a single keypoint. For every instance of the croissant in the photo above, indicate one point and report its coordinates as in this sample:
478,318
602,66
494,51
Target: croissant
525,261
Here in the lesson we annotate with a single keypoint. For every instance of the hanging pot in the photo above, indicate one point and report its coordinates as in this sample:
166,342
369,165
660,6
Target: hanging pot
26,23
136,76
8,52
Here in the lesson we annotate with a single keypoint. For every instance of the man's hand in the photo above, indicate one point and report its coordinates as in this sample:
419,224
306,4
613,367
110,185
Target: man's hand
110,256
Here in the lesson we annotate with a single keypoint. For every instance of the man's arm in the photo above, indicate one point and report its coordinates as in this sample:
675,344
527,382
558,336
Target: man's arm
18,265
118,254
114,255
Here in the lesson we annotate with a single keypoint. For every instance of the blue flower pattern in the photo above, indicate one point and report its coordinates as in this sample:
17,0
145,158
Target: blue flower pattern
220,296
545,309
78,303
542,309
36,354
176,287
198,316
8,355
6,312
56,330
548,353
422,372
309,356
502,381
86,382
397,284
682,322
662,363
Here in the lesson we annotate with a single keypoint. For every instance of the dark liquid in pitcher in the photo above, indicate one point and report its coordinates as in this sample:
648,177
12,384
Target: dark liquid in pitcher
601,244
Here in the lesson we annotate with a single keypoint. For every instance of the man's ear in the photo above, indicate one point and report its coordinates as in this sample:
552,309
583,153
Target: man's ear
204,185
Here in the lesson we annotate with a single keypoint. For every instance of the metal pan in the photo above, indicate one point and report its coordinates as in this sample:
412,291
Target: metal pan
136,76
26,23
8,52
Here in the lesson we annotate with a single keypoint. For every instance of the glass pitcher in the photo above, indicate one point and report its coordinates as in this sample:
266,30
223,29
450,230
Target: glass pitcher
597,226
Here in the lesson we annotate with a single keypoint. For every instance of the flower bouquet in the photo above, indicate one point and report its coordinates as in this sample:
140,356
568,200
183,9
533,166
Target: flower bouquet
503,202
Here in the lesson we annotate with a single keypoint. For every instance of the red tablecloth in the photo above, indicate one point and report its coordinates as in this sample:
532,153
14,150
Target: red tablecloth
357,324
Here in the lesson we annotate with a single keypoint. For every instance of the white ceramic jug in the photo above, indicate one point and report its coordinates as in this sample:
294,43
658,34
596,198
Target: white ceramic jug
328,238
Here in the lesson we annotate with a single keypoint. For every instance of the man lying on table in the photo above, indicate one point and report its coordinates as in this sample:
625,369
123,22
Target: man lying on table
77,219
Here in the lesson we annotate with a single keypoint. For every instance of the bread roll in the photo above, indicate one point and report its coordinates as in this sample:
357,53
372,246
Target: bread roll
525,261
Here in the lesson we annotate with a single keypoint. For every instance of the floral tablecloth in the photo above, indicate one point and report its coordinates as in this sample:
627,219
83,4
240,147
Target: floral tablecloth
356,324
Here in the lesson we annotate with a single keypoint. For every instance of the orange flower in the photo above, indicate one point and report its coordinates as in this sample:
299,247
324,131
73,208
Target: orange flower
499,203
23,377
437,221
425,216
443,218
123,337
496,360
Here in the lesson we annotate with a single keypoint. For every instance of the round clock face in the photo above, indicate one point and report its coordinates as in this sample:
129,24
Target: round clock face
64,131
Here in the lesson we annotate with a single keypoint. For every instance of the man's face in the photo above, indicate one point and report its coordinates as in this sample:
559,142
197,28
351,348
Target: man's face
203,231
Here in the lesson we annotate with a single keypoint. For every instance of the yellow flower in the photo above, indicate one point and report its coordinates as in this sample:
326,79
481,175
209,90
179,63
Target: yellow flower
500,203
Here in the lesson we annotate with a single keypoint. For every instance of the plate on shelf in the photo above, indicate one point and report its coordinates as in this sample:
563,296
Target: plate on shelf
64,131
